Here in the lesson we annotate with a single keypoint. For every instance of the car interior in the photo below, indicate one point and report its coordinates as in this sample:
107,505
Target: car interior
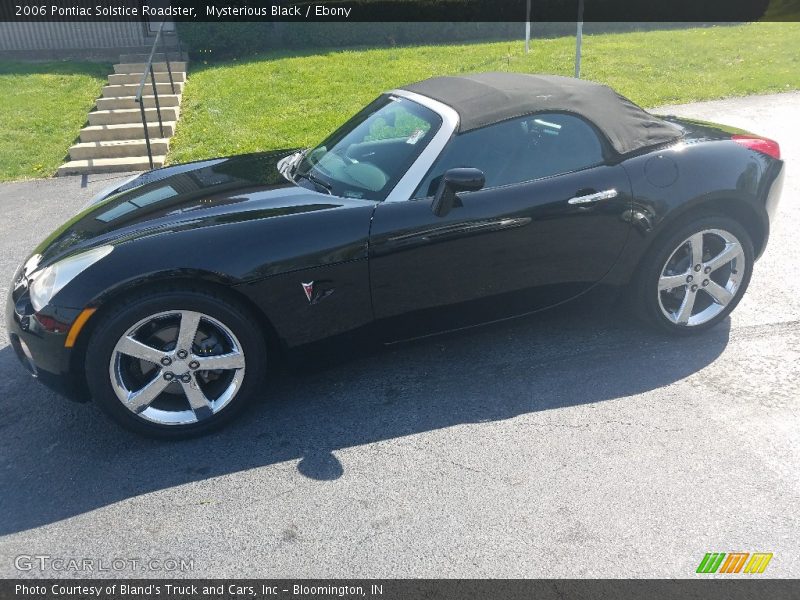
519,150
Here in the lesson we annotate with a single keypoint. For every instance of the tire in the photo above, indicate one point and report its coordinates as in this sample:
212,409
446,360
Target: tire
141,378
711,295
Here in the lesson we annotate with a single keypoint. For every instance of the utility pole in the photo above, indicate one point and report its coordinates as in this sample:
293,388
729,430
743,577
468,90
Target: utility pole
579,40
528,28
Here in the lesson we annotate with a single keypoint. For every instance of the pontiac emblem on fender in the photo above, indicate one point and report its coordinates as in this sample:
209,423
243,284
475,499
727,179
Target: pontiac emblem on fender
308,288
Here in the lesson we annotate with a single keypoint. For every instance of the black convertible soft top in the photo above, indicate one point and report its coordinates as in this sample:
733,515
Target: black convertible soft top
486,98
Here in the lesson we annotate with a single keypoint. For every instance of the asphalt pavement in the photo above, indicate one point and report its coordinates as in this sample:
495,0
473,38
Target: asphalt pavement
574,443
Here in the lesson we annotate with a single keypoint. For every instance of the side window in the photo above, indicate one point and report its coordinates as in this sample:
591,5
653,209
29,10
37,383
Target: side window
519,150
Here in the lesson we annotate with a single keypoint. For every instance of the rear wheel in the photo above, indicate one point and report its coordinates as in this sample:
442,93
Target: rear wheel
697,276
175,364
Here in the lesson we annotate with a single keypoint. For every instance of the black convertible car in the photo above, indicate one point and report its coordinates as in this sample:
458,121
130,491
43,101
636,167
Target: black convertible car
444,204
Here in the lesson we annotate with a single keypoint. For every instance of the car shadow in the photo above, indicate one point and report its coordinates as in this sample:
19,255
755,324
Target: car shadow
61,459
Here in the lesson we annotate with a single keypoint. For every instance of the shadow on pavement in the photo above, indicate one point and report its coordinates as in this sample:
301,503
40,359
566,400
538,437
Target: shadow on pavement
60,459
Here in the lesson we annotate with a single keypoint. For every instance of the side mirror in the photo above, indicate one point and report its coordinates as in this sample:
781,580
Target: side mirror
455,181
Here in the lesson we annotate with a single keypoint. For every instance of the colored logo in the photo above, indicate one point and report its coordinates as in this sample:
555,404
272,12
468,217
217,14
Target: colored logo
308,288
734,562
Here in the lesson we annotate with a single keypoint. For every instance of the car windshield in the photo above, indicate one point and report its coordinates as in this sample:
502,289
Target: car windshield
367,156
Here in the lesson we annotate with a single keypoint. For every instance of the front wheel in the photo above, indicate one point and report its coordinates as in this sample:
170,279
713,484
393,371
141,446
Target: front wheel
697,276
175,364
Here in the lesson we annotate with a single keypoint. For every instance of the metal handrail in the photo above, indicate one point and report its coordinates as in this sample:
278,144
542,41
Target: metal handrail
148,70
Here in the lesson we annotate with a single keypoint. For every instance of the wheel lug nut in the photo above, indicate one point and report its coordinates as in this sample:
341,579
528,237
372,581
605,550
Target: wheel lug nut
689,279
194,364
186,378
694,288
707,270
705,282
166,361
698,267
182,354
169,376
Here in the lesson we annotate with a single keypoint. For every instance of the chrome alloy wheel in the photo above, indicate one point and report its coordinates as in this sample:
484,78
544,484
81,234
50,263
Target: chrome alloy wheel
701,277
177,367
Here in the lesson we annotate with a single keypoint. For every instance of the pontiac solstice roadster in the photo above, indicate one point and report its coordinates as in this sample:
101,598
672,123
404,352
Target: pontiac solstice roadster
443,204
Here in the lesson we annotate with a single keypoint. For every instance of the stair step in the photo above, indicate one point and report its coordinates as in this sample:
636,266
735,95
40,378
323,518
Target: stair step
118,148
138,67
130,89
114,141
132,115
109,165
122,78
130,102
159,56
125,131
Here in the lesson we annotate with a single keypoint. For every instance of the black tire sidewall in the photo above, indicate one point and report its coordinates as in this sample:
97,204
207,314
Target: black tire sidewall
118,320
647,284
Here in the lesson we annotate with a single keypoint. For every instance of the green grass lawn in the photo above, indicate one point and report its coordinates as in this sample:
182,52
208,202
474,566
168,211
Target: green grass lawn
43,105
281,100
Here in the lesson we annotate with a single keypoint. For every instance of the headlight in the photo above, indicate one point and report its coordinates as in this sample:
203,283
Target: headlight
26,268
48,282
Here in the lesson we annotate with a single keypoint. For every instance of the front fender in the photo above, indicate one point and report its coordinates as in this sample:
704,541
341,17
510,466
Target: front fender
230,252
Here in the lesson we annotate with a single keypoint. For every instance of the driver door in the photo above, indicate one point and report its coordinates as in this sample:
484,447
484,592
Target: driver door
532,237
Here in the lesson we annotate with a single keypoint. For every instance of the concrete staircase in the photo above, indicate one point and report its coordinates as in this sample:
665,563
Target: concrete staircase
113,141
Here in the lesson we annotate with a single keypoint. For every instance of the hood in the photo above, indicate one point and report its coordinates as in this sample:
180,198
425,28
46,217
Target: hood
200,194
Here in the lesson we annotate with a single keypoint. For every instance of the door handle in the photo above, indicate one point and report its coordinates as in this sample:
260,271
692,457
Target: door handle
596,197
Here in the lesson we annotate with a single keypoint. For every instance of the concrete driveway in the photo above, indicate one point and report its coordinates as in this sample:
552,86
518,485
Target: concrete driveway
573,443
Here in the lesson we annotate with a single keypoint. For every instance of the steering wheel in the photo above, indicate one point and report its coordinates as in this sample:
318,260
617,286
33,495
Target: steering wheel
367,175
362,174
344,155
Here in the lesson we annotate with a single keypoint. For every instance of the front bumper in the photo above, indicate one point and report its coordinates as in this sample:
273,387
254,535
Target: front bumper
38,341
